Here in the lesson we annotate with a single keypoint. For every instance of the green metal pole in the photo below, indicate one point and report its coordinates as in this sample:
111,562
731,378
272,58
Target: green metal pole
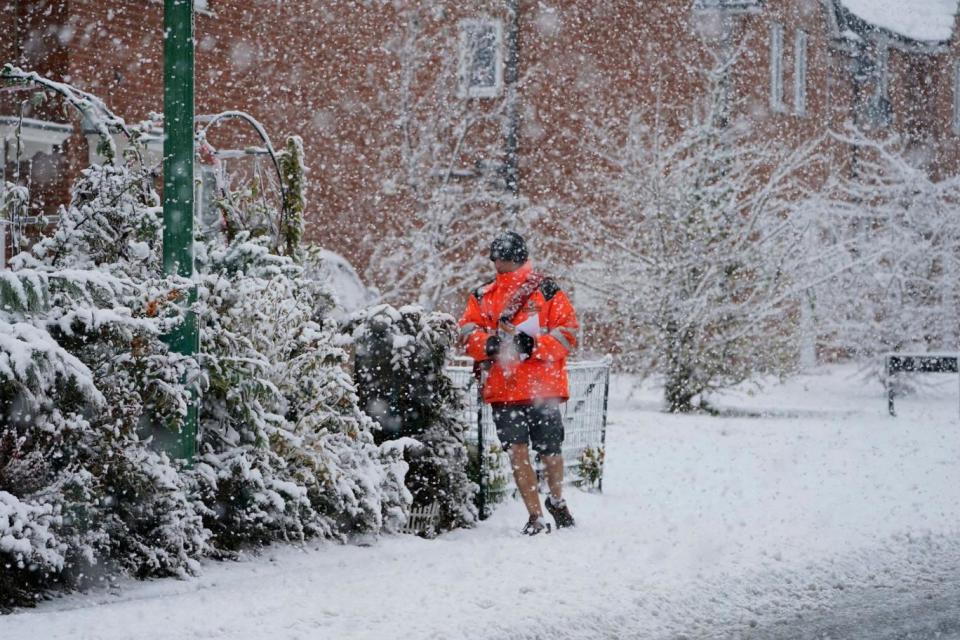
178,155
481,476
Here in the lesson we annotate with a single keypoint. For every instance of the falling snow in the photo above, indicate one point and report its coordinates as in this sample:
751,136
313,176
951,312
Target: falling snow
750,205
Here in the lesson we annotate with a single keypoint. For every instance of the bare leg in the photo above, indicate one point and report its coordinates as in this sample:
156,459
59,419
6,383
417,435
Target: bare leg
526,478
554,466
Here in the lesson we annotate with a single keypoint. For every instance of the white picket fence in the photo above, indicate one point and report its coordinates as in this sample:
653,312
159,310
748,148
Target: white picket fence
423,520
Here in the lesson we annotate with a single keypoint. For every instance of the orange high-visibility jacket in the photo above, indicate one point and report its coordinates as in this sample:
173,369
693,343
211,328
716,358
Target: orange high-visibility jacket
544,374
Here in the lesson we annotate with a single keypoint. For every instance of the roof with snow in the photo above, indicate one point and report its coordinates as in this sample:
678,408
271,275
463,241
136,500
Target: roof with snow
919,20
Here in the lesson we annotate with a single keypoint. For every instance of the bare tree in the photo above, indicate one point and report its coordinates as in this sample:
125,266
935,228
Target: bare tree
901,231
443,189
704,246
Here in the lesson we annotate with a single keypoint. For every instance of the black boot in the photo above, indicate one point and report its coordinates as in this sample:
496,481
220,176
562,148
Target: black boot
536,525
561,514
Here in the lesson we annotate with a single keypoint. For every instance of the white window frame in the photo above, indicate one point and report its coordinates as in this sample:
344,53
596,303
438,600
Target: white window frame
776,67
475,91
956,97
881,98
800,72
36,136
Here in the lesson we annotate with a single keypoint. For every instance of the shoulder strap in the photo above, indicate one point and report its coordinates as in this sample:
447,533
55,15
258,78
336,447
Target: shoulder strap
481,290
521,295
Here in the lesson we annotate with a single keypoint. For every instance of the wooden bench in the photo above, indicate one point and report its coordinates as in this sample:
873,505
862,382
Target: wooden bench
916,363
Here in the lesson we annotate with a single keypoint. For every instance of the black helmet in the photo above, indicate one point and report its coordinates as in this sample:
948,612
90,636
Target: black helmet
509,245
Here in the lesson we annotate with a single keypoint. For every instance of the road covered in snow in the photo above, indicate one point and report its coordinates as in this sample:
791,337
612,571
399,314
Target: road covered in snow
805,511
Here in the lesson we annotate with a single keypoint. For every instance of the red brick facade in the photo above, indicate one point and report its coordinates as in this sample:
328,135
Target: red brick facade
318,69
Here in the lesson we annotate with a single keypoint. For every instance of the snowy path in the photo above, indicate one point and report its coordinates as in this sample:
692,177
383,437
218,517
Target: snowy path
926,611
709,527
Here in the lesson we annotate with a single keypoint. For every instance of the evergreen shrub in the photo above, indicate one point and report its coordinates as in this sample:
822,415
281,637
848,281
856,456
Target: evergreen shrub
400,355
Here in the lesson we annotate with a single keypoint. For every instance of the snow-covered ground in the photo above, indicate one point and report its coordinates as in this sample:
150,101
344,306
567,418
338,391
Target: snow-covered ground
708,527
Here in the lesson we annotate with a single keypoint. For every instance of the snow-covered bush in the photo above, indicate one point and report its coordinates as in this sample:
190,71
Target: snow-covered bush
286,452
30,551
399,370
590,467
88,387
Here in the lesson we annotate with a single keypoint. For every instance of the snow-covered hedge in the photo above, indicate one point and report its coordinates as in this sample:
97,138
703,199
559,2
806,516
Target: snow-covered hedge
287,452
84,376
87,384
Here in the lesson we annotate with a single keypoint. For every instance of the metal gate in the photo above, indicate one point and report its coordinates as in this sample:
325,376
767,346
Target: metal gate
584,421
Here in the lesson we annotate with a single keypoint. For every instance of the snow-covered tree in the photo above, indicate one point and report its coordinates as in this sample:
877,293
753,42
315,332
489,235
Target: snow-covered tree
86,378
399,369
444,187
702,238
901,232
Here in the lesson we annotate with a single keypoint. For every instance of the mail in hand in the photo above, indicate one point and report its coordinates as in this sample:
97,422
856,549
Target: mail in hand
530,326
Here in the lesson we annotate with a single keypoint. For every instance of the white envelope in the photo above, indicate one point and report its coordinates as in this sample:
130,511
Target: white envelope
530,326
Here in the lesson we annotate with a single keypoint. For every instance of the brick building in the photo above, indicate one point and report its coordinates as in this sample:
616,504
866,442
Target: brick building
325,71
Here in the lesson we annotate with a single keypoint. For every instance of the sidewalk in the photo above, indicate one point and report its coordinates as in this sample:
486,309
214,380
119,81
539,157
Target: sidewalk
705,524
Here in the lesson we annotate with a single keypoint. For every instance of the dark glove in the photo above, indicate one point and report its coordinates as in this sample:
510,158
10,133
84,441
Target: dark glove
524,343
492,347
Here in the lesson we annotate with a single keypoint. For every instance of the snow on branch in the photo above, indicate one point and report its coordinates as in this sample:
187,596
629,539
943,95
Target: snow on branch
94,111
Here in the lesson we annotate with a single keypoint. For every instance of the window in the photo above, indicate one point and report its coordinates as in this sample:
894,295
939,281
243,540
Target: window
36,136
800,73
481,58
956,98
879,109
776,67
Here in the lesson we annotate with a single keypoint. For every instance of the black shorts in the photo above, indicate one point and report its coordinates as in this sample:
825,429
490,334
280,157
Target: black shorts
539,424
